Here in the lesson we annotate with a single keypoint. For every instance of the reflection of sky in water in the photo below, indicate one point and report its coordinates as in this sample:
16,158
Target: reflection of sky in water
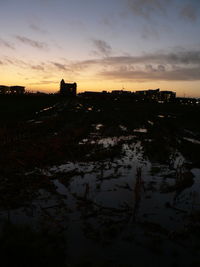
110,202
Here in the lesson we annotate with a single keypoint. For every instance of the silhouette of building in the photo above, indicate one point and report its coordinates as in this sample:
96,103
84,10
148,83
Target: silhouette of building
167,95
156,95
68,89
17,90
121,92
95,95
4,89
149,94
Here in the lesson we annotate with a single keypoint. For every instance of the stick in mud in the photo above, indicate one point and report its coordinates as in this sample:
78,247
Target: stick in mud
137,192
87,189
179,175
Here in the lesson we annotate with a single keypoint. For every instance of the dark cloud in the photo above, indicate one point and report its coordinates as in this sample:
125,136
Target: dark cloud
33,43
189,12
8,61
14,61
149,32
180,57
60,66
46,67
102,48
4,43
182,65
161,68
184,74
37,67
150,9
38,29
146,8
150,68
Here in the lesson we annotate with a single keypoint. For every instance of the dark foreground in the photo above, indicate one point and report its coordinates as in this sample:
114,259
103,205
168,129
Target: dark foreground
90,182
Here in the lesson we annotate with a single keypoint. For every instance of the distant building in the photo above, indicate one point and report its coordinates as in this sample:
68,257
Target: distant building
94,94
156,95
68,89
18,90
149,94
121,92
13,90
4,89
91,93
167,95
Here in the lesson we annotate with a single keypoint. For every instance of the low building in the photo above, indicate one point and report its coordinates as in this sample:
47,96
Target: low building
18,90
151,94
156,95
167,95
121,92
4,89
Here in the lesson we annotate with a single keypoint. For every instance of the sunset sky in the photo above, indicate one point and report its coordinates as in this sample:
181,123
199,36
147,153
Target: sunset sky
101,44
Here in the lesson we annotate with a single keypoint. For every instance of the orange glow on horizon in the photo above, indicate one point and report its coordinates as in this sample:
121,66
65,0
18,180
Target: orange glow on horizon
34,82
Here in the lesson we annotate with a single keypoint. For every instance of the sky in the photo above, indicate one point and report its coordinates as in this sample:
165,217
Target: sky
101,44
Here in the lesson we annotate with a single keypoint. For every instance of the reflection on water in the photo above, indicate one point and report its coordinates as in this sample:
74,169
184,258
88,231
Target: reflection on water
99,205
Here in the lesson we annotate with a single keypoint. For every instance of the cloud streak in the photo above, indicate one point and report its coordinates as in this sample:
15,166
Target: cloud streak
182,65
6,44
150,9
180,57
147,8
38,67
30,42
102,48
189,12
181,74
59,66
176,66
38,29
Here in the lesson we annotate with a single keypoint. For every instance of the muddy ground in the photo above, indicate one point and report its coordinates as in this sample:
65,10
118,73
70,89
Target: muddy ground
99,182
